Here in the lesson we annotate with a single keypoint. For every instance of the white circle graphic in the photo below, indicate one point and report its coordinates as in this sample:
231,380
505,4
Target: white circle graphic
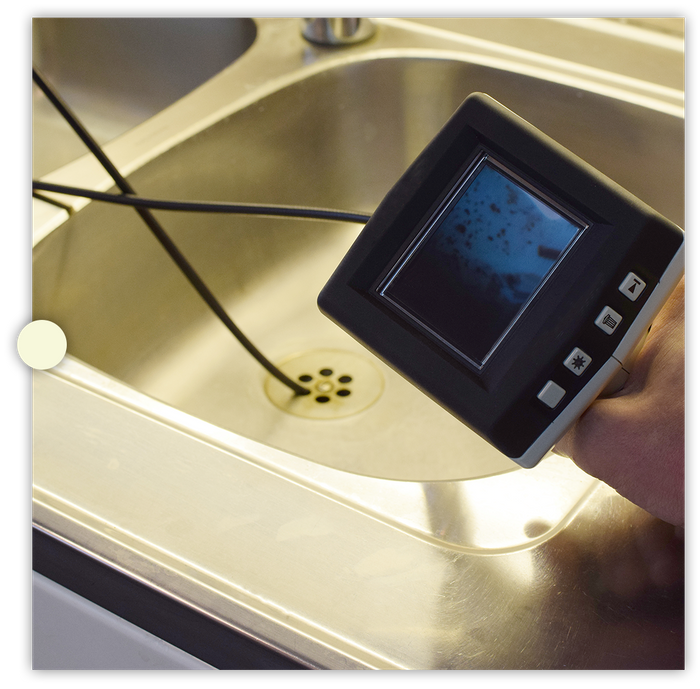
42,344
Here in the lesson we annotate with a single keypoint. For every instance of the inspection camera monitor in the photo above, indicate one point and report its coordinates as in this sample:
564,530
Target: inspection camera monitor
506,279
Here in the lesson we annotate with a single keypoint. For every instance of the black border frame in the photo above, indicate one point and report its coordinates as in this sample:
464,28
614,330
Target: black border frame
481,159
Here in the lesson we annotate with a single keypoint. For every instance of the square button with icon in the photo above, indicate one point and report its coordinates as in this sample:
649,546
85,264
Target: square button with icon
608,320
632,286
577,362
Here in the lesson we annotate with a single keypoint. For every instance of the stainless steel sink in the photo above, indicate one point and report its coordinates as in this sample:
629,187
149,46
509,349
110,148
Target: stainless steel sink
119,72
159,439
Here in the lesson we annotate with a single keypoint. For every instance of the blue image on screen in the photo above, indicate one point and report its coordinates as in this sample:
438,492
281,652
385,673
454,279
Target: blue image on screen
475,270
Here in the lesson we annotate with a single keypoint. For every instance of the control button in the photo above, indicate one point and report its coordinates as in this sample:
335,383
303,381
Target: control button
551,394
608,320
632,286
577,361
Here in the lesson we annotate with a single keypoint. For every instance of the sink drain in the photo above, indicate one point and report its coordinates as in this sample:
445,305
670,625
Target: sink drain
341,383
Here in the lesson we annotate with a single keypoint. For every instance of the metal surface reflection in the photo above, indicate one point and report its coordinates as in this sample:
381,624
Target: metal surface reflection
610,599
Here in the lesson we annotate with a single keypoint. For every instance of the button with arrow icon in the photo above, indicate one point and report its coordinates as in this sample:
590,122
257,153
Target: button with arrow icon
632,286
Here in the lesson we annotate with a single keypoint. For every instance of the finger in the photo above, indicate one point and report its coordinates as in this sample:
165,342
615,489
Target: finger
633,446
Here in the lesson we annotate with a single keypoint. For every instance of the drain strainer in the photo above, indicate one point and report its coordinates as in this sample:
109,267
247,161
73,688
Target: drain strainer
341,383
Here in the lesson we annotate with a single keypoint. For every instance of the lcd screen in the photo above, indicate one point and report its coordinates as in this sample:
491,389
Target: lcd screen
474,268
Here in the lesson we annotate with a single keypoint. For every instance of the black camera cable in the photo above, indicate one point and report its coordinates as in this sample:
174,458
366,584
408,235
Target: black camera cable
143,209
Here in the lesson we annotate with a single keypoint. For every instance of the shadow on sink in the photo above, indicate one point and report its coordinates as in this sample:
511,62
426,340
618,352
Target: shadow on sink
339,138
118,72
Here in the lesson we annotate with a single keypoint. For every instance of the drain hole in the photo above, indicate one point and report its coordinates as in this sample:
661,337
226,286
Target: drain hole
326,386
341,384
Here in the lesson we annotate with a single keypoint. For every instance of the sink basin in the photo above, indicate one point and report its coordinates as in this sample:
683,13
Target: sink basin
339,139
329,129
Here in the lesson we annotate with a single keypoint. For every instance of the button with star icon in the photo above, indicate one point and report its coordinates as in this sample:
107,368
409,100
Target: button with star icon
577,361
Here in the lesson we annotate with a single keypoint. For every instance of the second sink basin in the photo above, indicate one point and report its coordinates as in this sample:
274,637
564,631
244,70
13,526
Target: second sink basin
118,72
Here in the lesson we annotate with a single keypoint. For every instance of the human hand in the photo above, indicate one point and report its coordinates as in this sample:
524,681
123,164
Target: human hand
635,440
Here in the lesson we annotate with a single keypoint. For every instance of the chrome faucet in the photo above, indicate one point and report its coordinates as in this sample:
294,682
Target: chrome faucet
337,31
